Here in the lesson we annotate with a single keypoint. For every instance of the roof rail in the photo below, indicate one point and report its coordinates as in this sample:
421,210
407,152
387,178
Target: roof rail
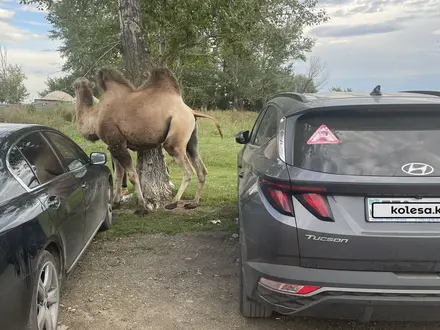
435,93
297,96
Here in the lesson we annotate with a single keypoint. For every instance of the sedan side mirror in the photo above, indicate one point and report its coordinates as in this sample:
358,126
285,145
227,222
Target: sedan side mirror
242,137
98,158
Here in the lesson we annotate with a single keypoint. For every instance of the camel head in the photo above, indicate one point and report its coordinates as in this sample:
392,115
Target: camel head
85,118
84,92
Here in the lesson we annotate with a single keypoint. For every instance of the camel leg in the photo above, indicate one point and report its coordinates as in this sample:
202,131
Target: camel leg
194,156
201,176
119,173
124,177
184,163
167,169
122,155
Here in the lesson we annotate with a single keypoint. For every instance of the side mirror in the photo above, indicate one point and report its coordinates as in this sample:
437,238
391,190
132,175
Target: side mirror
98,158
242,137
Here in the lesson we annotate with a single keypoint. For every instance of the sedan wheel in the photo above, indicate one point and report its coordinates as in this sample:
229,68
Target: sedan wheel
45,305
48,297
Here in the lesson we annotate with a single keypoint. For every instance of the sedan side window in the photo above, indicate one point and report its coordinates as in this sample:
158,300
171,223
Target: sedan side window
41,157
72,155
268,126
21,169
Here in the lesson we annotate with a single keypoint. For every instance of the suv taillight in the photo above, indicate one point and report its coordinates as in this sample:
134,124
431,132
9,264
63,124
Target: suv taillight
280,195
316,204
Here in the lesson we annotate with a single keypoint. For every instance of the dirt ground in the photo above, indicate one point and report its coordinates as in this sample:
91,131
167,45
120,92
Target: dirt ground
186,281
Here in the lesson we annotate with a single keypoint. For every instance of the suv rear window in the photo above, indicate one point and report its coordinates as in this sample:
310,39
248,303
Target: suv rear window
370,143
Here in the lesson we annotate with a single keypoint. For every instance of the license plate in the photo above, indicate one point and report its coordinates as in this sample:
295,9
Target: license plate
403,209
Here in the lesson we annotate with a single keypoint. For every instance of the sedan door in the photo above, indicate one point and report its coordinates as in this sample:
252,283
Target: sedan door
90,177
24,226
60,192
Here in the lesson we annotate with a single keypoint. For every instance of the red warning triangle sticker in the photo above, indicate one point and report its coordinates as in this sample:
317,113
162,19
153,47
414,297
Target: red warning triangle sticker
323,136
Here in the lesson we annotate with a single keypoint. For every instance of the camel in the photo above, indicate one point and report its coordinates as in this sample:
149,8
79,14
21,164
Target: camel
141,118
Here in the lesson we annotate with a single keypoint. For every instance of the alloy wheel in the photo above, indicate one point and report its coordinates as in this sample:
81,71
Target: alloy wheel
48,297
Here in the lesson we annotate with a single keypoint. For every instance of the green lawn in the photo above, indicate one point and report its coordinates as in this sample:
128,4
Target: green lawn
219,195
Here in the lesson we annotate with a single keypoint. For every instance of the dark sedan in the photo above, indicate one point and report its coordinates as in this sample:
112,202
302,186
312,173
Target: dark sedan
53,200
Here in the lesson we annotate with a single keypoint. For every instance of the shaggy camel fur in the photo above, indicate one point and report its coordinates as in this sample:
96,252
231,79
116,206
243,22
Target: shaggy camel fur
139,119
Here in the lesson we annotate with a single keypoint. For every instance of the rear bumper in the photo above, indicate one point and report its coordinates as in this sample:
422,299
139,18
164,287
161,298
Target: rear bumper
363,296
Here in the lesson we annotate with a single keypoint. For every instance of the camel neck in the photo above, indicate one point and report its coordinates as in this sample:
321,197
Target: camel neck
84,112
84,97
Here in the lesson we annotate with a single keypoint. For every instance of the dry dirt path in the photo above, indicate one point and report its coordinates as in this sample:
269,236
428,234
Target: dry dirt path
186,281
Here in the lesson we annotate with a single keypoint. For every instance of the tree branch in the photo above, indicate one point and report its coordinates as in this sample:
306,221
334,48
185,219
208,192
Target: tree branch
167,56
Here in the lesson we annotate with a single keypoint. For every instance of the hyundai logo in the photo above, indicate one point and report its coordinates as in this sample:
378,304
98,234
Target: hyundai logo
417,169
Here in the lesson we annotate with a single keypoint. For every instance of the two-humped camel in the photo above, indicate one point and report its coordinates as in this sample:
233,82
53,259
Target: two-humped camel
147,117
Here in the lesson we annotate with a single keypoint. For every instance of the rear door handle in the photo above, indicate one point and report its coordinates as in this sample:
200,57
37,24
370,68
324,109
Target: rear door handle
54,202
84,185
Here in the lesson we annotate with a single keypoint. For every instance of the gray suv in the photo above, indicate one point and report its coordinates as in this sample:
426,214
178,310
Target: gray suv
339,207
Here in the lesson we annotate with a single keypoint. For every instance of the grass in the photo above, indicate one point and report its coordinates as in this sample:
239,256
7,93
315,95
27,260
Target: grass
220,156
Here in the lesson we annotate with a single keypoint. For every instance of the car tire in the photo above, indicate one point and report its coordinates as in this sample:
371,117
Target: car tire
251,308
45,297
109,215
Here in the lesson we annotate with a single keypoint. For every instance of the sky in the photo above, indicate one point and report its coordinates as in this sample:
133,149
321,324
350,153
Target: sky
24,34
394,43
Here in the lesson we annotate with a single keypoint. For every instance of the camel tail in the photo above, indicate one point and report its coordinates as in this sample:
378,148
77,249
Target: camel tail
108,74
201,115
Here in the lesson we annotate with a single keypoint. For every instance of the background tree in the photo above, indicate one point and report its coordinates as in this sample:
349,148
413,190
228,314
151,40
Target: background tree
225,53
316,76
59,84
84,51
12,77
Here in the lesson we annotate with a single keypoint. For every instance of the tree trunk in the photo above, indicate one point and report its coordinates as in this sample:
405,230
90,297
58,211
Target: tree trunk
151,167
162,49
136,55
153,177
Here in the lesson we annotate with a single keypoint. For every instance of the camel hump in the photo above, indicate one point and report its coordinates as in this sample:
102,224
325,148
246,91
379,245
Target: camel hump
107,74
162,78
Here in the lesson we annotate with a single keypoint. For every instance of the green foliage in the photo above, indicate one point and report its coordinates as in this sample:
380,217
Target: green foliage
59,84
338,89
225,53
12,77
12,88
66,113
30,108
